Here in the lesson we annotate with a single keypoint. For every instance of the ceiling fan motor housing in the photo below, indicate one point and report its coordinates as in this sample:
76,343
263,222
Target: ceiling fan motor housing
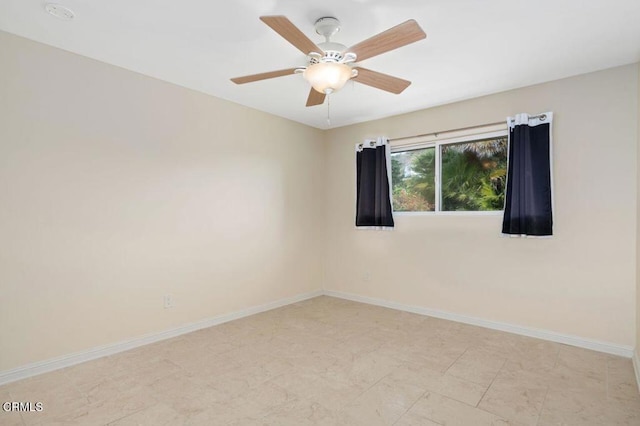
331,51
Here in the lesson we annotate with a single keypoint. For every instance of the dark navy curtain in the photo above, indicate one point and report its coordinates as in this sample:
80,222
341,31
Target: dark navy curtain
528,199
373,201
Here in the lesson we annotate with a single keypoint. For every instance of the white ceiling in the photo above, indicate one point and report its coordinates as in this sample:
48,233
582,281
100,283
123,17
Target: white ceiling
472,48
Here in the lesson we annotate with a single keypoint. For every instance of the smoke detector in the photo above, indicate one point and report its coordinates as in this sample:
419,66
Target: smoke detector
59,11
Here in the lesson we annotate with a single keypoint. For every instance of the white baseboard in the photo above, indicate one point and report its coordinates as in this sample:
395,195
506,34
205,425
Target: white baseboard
36,368
610,348
45,366
636,366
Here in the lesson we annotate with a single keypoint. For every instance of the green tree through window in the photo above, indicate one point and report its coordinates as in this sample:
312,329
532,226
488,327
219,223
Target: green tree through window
413,177
473,176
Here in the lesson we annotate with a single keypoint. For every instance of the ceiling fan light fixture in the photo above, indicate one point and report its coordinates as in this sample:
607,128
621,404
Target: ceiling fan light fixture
329,64
328,77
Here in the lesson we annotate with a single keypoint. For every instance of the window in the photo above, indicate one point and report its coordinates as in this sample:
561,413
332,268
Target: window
466,173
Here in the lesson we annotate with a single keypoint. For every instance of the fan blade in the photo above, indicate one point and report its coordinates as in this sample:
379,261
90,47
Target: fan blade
315,98
291,33
262,76
381,81
398,36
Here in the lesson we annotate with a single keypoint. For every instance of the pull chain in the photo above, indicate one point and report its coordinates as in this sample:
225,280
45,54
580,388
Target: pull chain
329,110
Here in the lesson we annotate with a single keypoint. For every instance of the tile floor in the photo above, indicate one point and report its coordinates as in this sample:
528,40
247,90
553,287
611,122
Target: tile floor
328,361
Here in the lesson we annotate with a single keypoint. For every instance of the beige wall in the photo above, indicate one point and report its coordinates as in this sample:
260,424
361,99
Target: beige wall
581,282
116,188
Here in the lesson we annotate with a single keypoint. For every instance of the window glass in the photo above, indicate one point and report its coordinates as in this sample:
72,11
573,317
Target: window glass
413,180
474,175
467,174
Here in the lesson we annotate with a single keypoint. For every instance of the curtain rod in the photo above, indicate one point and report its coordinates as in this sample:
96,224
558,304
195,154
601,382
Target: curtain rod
436,134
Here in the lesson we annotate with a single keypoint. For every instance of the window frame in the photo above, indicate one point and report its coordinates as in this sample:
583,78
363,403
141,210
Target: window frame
435,141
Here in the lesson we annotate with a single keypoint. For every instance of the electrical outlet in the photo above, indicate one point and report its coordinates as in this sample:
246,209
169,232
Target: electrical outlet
168,301
366,277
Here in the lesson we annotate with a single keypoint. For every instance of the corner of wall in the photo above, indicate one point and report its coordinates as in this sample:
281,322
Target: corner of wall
326,138
636,354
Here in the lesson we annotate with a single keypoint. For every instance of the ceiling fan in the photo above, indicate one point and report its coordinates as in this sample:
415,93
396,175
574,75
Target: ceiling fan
331,65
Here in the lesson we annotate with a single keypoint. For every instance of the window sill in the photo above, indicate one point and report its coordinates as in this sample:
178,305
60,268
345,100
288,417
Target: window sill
456,213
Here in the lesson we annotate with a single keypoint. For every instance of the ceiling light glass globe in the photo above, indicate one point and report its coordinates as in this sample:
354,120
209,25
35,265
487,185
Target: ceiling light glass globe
327,77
